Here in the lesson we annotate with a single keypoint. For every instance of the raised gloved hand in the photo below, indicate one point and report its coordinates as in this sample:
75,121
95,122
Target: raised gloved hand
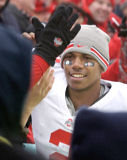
54,38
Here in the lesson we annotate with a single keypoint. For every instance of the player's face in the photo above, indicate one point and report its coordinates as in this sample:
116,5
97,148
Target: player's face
82,71
100,10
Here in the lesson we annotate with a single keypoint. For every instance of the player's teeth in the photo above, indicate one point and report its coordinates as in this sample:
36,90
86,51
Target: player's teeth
78,75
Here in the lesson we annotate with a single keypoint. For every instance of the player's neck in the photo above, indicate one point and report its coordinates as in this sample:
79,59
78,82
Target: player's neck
85,97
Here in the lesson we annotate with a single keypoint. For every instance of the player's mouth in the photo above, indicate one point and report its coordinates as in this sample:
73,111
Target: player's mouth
78,76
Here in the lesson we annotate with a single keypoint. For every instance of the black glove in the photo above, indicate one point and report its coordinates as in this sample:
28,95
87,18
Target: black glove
54,38
123,28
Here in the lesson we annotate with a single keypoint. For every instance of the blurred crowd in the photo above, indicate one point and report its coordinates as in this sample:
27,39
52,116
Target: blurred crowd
23,35
18,15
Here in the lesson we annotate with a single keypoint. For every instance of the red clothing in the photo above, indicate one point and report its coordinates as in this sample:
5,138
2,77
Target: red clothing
118,70
114,47
30,138
39,66
112,72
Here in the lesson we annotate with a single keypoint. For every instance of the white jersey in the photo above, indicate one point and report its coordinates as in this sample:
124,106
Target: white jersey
52,121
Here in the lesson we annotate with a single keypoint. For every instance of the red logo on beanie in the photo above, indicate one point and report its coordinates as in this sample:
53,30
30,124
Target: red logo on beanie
58,42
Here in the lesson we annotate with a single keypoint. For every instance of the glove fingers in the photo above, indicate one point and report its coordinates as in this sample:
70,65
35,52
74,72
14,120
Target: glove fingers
60,12
68,11
37,24
57,15
62,23
72,20
74,31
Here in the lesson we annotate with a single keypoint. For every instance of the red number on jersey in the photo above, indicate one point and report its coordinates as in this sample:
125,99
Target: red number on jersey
57,137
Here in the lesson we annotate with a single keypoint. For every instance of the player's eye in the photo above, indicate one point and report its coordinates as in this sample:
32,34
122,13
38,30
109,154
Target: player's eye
67,62
89,64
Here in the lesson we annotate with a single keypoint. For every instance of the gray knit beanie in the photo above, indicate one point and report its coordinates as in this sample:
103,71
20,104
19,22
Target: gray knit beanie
92,41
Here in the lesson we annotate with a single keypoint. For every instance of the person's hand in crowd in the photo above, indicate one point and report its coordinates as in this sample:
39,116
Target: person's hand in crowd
37,93
54,38
30,36
121,28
